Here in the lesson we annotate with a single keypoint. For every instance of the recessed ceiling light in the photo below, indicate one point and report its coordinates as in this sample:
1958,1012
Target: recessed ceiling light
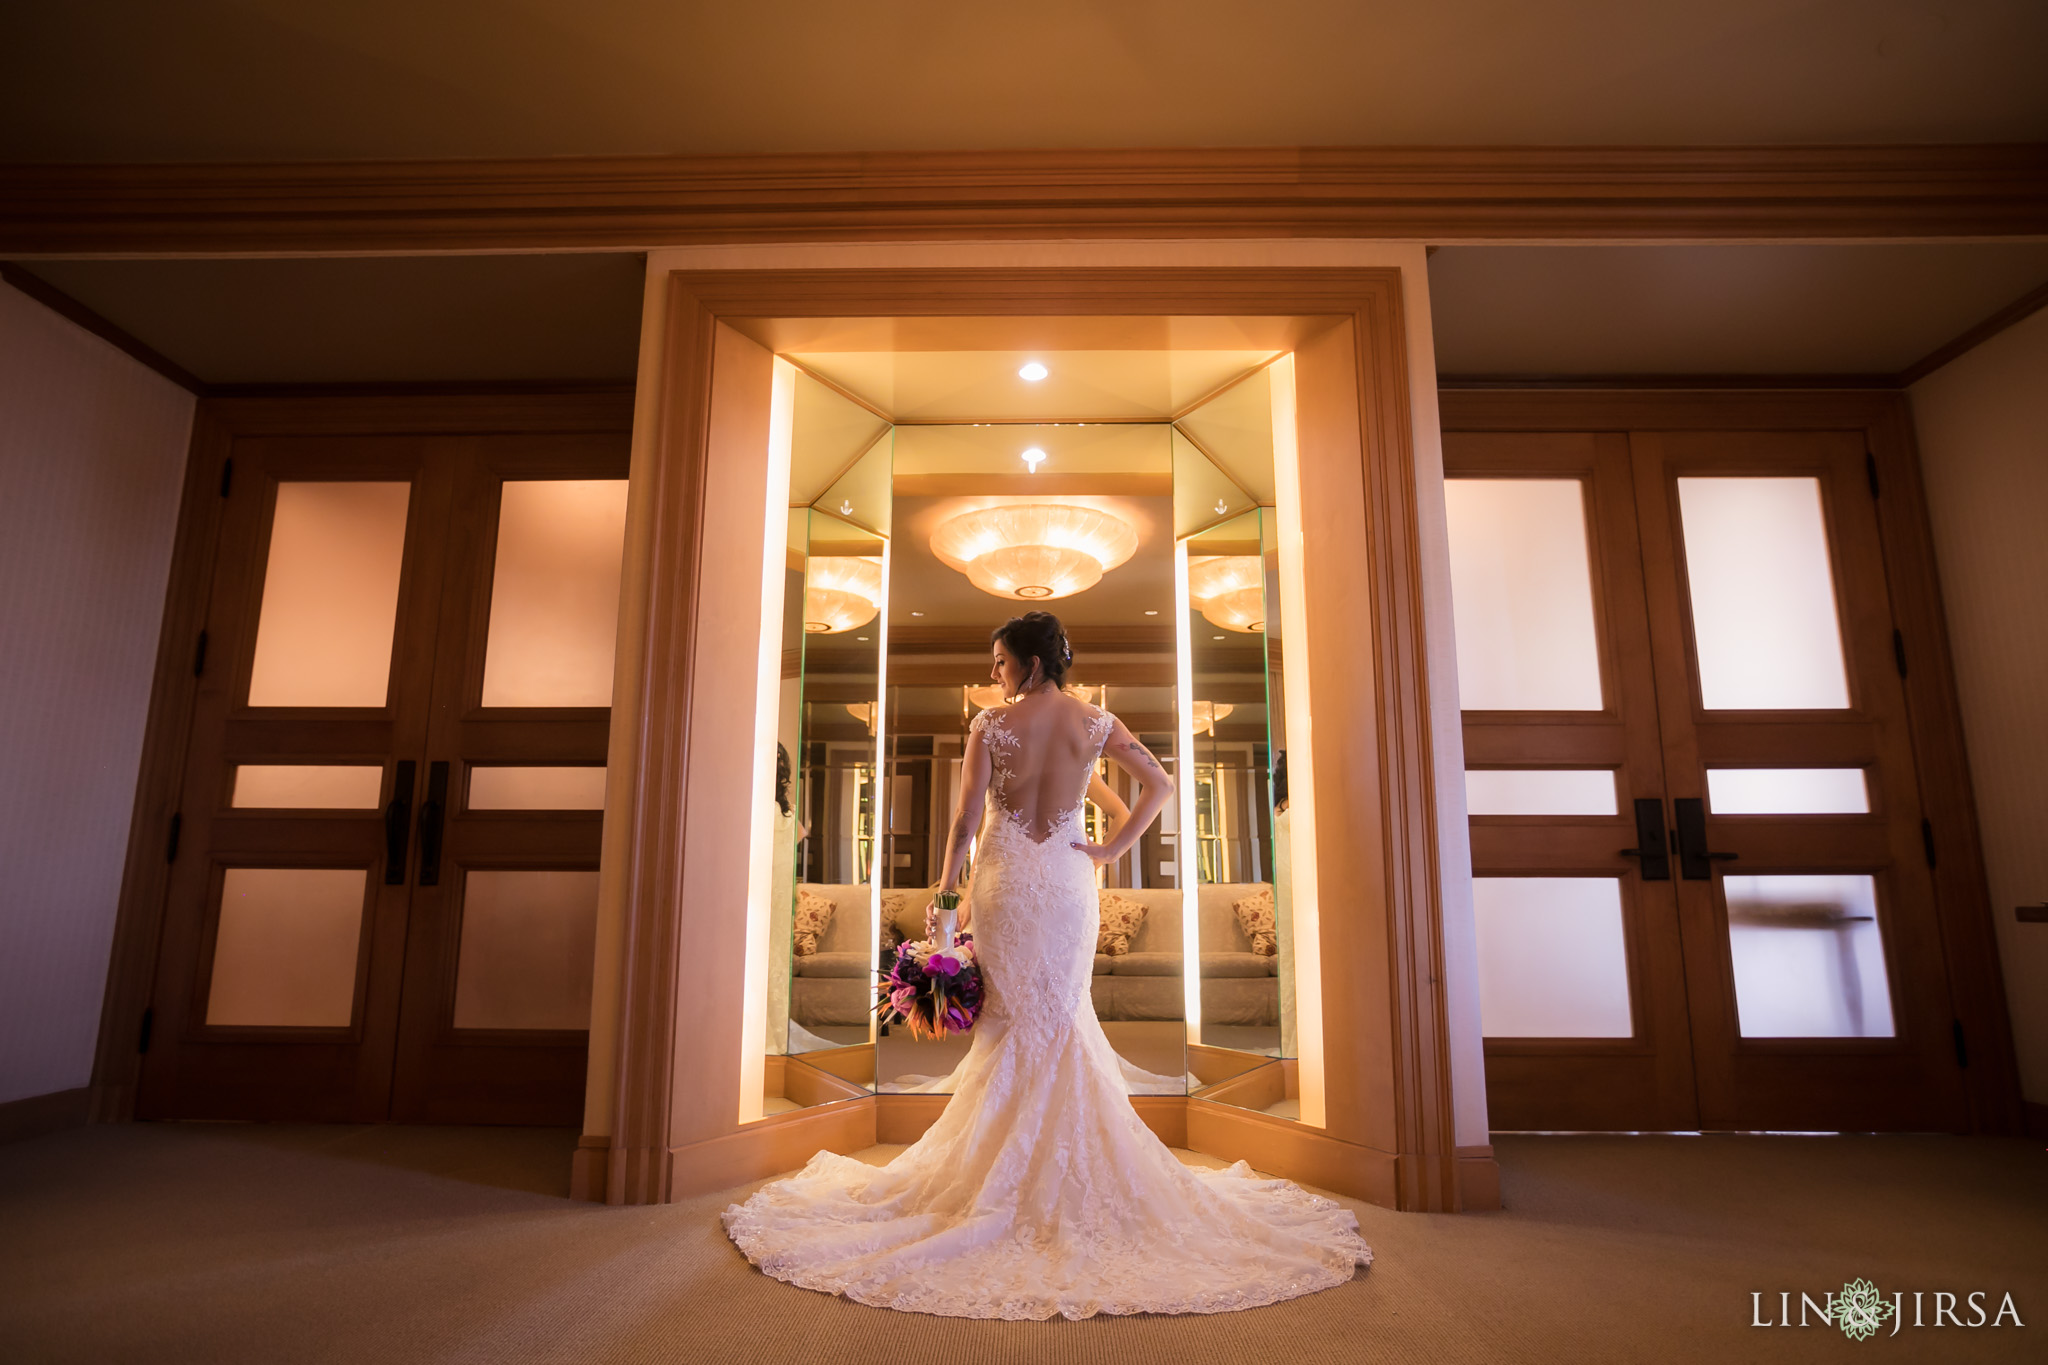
1032,373
917,613
864,639
1034,457
1213,637
1151,613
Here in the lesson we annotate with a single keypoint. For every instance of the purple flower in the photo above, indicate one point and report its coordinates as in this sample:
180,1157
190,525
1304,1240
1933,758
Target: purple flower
945,962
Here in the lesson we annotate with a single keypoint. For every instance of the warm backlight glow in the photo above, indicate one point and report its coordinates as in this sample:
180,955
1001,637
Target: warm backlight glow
1035,551
844,593
1229,591
1032,373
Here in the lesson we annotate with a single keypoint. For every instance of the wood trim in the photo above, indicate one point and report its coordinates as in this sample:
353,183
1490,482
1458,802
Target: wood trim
770,1146
588,1168
70,309
1286,1148
2018,311
39,1115
1389,1068
1606,382
145,877
1962,898
1403,193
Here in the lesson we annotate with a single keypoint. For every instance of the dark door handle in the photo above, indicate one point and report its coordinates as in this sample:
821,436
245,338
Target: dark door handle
433,813
1651,845
1695,863
398,823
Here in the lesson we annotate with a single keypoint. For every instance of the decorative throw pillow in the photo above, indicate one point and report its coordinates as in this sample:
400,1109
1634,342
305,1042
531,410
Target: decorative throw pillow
1121,917
1255,917
903,911
813,913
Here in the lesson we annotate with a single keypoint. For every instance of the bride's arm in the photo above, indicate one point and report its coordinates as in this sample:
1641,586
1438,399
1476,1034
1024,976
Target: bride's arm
1114,811
974,773
1155,789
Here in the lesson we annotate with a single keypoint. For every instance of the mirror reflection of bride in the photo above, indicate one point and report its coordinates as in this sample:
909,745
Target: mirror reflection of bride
1039,1190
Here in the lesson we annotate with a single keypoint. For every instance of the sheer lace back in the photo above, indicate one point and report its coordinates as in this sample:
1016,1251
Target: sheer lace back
1042,753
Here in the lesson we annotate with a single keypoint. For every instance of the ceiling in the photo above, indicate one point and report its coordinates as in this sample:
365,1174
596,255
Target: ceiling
373,319
1763,309
138,80
983,385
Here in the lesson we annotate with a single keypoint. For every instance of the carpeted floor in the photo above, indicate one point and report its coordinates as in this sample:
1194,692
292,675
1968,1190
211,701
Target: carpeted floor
235,1243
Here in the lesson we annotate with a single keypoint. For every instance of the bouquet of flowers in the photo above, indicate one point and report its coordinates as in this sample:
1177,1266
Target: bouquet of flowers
934,985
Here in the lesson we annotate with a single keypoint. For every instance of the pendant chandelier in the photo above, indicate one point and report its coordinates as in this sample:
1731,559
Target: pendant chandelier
842,592
1229,591
1207,713
1034,552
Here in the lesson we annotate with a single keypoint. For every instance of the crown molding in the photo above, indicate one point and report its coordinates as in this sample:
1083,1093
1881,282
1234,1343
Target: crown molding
1434,194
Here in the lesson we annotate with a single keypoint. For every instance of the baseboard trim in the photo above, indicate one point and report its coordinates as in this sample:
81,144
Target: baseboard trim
1478,1180
904,1118
1286,1148
771,1146
590,1168
37,1115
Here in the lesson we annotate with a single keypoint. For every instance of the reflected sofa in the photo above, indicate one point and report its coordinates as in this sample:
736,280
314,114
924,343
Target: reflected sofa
832,985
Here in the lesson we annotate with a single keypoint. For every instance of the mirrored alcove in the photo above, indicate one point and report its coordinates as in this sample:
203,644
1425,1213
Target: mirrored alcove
1140,511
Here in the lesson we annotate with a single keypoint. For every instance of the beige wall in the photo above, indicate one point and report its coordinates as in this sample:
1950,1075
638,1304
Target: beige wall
92,456
1983,430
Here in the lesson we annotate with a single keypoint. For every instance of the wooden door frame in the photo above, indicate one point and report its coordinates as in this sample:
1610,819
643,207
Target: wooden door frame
217,425
1390,1135
1934,716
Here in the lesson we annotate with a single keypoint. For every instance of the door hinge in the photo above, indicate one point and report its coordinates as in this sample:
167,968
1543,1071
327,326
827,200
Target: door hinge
1962,1044
1870,471
1927,840
171,844
148,1027
199,657
227,475
1899,650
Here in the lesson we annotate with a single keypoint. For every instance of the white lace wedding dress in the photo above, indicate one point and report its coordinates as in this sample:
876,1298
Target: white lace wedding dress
1039,1191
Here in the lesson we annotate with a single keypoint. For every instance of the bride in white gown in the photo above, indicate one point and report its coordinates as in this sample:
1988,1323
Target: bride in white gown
1039,1191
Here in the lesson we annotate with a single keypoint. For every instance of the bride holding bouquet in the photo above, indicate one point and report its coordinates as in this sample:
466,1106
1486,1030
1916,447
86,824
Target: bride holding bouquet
1039,1191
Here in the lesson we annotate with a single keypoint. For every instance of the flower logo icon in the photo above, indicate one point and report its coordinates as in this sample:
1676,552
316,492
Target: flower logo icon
1859,1310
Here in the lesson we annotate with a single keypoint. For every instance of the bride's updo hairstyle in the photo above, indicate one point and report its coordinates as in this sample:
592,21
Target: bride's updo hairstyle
1038,635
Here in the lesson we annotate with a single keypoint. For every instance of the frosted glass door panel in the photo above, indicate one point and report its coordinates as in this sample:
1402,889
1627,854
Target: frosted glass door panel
1522,595
1808,957
285,953
1763,595
528,942
308,786
555,593
536,788
1787,791
1539,791
330,595
1553,962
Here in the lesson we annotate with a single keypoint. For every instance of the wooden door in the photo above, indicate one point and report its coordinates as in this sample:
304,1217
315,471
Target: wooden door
1818,992
1748,941
314,964
1564,753
281,960
495,1025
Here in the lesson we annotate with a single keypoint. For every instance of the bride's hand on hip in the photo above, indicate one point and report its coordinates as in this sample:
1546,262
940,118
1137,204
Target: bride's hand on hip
1097,853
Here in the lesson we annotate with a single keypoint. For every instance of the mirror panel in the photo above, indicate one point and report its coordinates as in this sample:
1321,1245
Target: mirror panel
825,848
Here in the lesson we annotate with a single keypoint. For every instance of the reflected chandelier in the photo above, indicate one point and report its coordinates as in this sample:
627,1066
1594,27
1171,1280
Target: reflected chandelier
1036,551
842,592
1229,591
